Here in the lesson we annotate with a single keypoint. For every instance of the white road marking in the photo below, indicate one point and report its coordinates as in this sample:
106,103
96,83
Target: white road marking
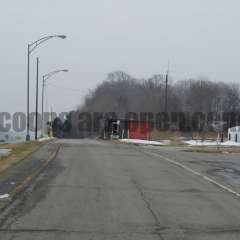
195,173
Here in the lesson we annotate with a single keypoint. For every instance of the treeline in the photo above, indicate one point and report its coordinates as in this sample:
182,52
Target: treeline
121,93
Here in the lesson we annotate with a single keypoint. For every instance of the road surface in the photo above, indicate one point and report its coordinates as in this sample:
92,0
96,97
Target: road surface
100,190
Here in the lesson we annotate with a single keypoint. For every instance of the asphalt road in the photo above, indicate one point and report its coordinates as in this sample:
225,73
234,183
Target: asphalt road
99,190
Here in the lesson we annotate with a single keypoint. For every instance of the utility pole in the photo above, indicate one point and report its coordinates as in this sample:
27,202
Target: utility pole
166,91
36,114
42,122
221,120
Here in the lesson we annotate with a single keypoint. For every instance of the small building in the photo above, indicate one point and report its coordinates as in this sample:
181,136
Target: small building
234,134
126,128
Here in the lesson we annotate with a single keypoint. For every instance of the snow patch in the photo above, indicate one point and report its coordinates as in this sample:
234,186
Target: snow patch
211,143
4,152
143,142
3,196
45,139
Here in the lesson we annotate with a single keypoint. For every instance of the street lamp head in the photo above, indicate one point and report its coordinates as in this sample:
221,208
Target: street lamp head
65,70
62,36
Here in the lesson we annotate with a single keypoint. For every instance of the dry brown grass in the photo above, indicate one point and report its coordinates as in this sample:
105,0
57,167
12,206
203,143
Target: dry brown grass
176,137
214,150
206,135
18,152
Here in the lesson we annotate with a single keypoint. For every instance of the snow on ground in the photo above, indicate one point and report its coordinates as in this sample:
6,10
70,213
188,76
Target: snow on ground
4,152
4,196
211,143
45,139
166,142
143,142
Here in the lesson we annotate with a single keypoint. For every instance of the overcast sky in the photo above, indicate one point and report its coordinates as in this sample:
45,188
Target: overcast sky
198,37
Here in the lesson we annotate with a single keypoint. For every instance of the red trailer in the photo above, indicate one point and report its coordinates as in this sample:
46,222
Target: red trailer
126,128
138,130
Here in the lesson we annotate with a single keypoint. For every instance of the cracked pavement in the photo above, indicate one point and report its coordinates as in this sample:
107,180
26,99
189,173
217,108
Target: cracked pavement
100,190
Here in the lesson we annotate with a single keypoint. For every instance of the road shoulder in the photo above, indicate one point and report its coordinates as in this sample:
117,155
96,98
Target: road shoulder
16,178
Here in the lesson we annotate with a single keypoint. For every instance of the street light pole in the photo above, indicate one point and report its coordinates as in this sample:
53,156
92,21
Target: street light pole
28,56
44,79
31,48
36,114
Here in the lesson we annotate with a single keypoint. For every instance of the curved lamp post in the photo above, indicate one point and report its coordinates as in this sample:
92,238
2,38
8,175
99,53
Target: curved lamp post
45,78
31,48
